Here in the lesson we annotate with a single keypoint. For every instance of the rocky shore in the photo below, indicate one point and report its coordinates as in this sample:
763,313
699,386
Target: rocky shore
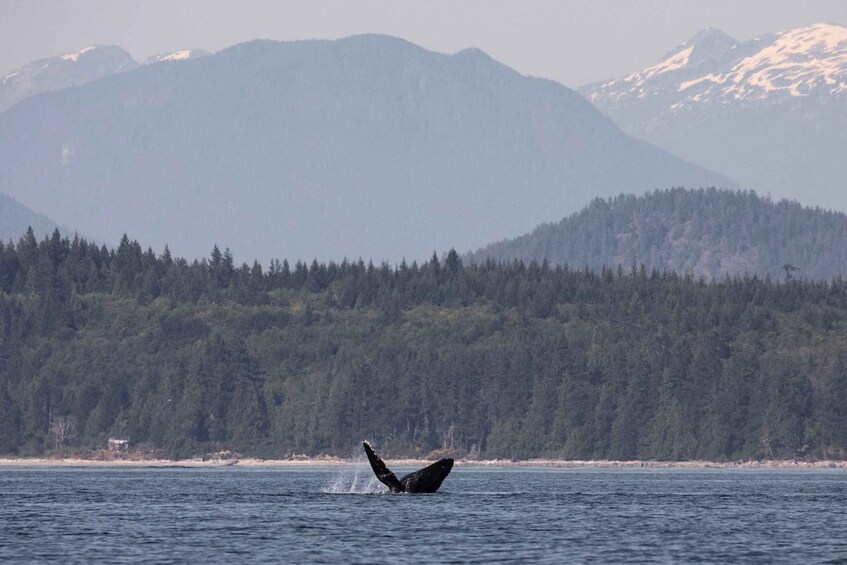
330,461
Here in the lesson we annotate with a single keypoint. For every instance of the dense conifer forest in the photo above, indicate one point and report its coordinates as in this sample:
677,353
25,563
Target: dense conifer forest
708,232
512,359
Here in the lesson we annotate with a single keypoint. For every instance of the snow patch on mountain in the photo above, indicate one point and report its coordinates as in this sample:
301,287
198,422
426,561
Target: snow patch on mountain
181,55
677,61
797,63
75,56
177,55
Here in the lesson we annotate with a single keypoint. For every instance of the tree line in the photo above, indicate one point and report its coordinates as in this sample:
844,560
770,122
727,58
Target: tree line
489,359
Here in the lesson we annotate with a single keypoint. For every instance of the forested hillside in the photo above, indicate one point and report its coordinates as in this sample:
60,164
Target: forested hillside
506,360
707,232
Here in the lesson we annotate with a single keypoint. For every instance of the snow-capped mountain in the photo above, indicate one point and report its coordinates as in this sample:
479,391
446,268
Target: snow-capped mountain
714,68
771,112
182,55
54,73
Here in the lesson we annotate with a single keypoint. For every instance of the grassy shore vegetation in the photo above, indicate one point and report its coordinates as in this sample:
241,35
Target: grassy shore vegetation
496,360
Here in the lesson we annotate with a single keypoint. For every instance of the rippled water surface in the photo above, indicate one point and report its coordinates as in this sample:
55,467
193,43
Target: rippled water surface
482,515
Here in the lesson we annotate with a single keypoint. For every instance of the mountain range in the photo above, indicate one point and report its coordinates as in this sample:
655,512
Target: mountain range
770,112
708,233
75,69
365,146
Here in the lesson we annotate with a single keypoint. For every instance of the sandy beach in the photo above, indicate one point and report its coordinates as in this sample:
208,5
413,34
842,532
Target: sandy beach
336,462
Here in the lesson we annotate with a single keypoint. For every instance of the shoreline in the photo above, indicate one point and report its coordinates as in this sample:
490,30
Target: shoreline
336,462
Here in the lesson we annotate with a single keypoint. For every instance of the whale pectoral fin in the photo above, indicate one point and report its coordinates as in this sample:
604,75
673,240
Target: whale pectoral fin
429,478
382,473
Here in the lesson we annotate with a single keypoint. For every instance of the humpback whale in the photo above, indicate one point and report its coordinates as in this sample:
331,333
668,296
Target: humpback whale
427,479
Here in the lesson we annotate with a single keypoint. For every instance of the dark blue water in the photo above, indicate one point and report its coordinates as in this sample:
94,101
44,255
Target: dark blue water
480,515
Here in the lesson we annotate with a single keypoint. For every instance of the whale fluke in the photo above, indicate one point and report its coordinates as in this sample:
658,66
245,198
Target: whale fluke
427,479
382,473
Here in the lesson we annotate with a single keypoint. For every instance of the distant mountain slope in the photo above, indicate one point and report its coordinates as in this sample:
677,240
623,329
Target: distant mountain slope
366,146
711,233
54,73
15,218
770,112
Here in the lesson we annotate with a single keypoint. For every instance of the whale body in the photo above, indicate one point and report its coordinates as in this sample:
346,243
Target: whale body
427,479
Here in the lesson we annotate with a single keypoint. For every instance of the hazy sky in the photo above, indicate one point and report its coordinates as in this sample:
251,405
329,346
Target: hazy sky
572,41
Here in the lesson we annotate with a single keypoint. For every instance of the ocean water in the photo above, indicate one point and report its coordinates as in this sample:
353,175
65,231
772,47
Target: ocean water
485,515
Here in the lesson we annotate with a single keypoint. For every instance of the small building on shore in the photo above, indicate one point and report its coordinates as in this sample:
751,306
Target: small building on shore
118,444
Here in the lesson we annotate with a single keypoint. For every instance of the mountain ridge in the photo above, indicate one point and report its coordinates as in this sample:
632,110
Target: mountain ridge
367,146
75,69
15,218
63,71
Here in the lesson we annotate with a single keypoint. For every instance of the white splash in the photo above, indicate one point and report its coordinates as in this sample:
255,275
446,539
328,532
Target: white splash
357,478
